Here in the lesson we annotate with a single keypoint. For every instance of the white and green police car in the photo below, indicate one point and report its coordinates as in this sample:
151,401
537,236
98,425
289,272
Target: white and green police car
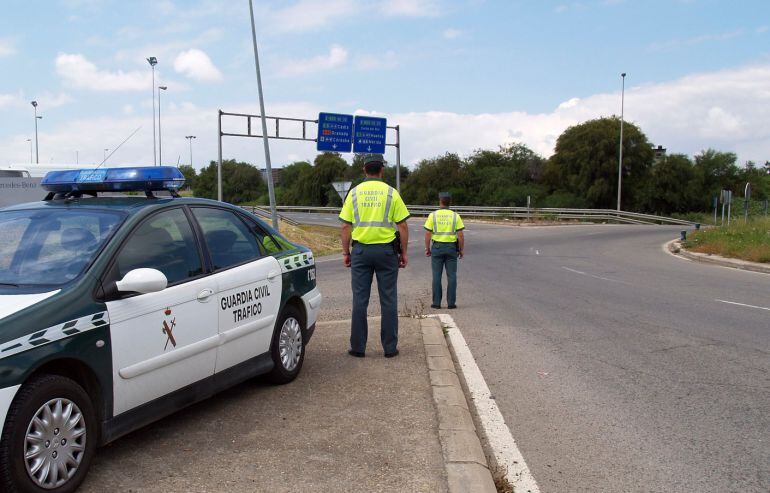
118,310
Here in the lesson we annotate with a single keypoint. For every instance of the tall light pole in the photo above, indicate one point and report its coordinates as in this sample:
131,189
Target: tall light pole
153,61
620,157
190,138
30,149
37,151
105,154
160,135
269,169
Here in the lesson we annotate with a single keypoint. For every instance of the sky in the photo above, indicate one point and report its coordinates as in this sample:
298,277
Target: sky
456,75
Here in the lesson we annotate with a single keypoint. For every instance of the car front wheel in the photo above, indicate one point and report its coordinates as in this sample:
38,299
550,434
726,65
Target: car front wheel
288,347
49,437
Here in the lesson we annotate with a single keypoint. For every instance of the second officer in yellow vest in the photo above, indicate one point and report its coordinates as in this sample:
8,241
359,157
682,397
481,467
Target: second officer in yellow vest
444,243
372,213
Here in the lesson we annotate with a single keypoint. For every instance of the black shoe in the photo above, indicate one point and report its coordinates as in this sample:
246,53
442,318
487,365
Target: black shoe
357,354
392,355
437,307
452,307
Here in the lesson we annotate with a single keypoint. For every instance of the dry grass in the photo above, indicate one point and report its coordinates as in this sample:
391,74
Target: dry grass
746,241
323,240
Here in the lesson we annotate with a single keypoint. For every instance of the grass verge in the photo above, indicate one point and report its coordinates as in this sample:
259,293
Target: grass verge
323,240
746,241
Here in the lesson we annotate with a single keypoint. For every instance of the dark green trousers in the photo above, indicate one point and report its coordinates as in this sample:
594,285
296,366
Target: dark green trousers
444,256
367,261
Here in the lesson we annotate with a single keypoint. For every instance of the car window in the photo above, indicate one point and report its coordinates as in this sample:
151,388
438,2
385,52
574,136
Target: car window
51,246
270,242
164,242
229,239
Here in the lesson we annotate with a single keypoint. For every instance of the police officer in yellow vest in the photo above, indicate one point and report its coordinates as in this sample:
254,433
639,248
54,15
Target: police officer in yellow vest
372,213
444,243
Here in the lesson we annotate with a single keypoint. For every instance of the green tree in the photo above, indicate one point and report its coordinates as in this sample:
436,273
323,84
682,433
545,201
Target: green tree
190,174
670,187
431,176
714,171
585,163
241,182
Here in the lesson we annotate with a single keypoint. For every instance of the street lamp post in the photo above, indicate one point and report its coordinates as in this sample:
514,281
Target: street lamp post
620,145
160,134
37,151
153,61
105,154
190,138
30,149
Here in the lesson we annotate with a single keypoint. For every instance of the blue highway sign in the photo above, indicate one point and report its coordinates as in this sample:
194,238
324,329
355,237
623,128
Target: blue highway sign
335,132
369,135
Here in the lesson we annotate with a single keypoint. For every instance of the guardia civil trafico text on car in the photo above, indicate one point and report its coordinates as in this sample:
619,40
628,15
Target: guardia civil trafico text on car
117,310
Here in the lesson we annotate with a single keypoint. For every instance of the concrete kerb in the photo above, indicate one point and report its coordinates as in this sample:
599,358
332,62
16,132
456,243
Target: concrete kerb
675,247
464,459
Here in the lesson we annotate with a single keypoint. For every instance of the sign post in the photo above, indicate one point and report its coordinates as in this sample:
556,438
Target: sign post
746,201
369,136
335,132
342,188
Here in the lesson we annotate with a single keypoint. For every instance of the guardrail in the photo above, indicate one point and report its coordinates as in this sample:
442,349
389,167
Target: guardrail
523,213
265,214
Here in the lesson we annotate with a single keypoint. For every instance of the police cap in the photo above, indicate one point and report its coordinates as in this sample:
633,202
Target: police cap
373,162
444,195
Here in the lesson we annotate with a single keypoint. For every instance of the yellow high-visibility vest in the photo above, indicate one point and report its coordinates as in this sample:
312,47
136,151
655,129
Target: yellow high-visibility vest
444,225
374,208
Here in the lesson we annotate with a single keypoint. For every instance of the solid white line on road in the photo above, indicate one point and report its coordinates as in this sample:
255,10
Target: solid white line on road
498,436
744,304
591,275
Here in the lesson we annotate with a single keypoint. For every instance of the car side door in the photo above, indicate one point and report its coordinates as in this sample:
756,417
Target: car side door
165,340
249,283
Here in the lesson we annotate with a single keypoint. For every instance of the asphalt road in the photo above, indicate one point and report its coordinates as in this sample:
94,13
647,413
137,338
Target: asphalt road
613,363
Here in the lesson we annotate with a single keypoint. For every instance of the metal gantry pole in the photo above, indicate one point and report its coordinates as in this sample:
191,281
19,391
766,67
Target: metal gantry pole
219,162
398,158
620,157
160,132
270,190
154,143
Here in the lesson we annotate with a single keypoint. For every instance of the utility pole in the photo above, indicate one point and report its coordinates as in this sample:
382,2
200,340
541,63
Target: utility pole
37,150
190,138
620,158
270,190
160,134
153,61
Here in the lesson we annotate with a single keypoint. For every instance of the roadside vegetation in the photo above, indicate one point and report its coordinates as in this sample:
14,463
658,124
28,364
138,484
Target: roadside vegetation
323,240
746,241
582,173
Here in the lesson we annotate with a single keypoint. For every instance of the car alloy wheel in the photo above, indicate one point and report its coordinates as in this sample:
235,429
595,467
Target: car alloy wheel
55,443
290,344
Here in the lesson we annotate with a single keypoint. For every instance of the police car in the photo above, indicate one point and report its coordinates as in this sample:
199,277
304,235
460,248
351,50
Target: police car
118,310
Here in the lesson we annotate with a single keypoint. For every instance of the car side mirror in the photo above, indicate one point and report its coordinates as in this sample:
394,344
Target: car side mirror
142,281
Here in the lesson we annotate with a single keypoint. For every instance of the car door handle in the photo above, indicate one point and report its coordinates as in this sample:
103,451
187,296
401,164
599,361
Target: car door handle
273,274
204,295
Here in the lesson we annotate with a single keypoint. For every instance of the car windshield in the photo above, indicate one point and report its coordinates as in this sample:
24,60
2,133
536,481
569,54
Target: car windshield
51,246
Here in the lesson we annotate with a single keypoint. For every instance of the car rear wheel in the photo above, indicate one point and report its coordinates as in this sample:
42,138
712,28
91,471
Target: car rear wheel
49,437
288,347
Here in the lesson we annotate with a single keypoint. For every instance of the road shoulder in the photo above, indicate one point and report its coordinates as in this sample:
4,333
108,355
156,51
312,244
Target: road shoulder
675,247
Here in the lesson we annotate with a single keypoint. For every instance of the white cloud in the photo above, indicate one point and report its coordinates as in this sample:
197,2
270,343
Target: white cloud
386,61
7,100
727,110
452,33
307,15
697,40
337,57
7,48
77,71
197,65
411,8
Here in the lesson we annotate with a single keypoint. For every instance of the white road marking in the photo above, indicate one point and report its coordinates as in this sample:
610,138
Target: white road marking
591,275
744,304
498,436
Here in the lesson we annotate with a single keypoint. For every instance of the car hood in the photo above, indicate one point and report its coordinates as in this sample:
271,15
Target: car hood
12,303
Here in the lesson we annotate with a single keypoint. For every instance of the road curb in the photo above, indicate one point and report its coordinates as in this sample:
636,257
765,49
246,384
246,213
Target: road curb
675,247
466,465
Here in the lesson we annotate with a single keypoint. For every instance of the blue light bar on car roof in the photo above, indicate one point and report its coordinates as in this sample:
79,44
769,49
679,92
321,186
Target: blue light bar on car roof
147,178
